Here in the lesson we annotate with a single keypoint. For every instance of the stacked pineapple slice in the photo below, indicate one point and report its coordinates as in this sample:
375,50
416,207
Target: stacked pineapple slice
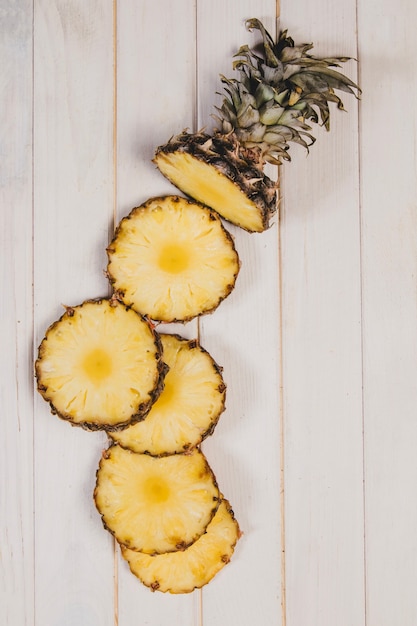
188,409
180,571
104,366
174,527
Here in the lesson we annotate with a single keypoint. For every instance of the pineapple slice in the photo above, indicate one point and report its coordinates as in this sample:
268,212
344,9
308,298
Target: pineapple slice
155,504
184,571
99,366
189,406
171,259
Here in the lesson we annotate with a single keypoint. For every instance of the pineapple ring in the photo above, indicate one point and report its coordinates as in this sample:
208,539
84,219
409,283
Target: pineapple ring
99,366
155,504
171,259
182,572
189,406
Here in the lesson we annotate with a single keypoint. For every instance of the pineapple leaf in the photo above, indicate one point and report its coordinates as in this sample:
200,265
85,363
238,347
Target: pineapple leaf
338,79
268,42
280,84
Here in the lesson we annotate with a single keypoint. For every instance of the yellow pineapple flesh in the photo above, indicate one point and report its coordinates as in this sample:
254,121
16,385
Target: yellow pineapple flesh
155,504
219,183
171,259
187,409
99,366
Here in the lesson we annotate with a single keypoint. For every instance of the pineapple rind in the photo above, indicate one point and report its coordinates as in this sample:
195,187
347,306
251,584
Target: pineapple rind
155,504
196,400
144,283
135,379
183,571
212,170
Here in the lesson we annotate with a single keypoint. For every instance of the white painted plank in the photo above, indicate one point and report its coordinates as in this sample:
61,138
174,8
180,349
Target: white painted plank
243,335
16,455
73,207
156,91
322,350
156,87
389,224
73,212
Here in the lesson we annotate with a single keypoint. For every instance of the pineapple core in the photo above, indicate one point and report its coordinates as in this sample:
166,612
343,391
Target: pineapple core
173,259
167,397
155,490
97,365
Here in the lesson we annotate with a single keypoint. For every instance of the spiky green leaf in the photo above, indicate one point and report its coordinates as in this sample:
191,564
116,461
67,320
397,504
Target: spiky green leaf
280,87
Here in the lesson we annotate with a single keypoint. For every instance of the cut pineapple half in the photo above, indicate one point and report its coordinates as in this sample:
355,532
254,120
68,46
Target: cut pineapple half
100,366
182,572
171,259
232,188
155,504
189,406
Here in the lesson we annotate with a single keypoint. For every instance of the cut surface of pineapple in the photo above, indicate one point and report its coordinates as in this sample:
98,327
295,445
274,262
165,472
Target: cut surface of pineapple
184,571
189,406
212,169
100,365
171,259
155,504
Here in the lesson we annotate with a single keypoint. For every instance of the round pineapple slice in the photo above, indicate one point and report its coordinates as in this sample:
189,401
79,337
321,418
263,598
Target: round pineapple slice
99,366
182,572
155,504
189,406
171,259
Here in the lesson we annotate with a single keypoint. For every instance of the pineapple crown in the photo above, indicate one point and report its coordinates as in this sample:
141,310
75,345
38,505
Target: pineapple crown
280,87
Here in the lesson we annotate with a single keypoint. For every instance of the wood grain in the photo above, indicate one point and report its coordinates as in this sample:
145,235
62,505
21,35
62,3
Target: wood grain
322,369
73,210
149,112
16,314
389,270
243,334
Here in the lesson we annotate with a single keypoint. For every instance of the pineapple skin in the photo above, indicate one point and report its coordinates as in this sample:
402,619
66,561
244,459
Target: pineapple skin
141,411
225,154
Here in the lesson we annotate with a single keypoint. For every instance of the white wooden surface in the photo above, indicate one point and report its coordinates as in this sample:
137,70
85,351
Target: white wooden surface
316,450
